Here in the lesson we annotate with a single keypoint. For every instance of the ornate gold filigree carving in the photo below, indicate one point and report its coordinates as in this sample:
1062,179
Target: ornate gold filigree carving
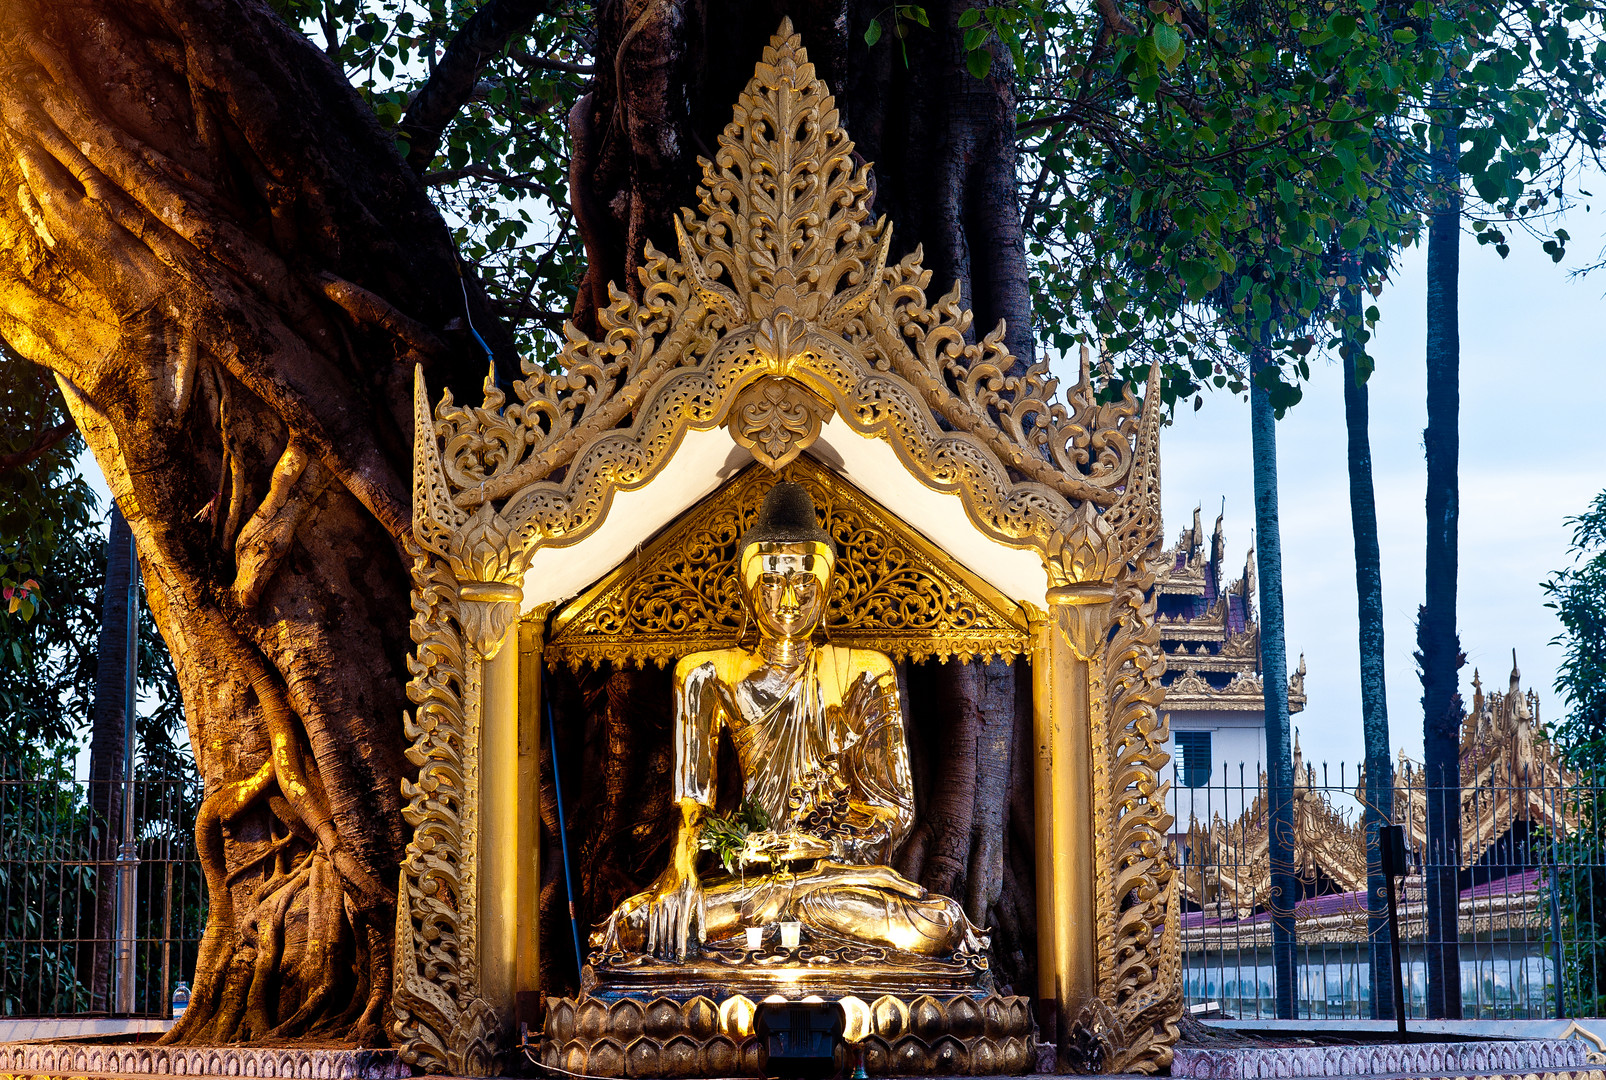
776,419
791,281
1140,959
439,1021
773,281
892,590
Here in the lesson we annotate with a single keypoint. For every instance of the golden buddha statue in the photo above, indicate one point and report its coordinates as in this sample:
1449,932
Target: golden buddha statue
818,734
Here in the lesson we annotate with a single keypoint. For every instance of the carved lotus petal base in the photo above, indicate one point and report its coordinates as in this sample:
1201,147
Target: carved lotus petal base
962,1035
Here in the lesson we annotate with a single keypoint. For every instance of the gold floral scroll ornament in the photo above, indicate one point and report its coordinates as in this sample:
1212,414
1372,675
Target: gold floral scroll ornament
775,285
777,419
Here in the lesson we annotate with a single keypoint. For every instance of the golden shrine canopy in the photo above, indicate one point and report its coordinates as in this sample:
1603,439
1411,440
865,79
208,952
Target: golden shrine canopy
894,591
980,512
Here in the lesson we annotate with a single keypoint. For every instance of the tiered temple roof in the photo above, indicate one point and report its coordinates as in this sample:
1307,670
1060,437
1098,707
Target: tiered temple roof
1227,867
1208,628
1512,782
1512,791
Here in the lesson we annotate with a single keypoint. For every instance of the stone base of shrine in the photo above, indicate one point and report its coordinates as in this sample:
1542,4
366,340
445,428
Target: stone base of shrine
704,1035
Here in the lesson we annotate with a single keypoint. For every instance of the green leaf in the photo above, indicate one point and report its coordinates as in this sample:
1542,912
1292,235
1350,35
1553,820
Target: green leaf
872,33
969,18
1168,43
1445,31
979,63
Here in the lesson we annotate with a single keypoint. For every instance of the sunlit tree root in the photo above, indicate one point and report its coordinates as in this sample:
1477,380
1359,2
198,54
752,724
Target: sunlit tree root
243,975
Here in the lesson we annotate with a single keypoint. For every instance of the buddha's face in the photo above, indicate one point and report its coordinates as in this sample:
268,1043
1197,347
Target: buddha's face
786,587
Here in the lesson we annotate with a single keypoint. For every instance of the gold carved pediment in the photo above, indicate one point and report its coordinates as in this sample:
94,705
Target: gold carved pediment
894,590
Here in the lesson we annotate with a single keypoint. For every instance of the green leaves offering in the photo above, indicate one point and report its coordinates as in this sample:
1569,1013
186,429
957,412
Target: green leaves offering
726,834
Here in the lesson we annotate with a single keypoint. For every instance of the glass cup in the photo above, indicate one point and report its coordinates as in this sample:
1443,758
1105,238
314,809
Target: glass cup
791,934
755,937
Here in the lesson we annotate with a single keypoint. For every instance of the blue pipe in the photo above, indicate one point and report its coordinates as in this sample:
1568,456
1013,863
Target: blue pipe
563,836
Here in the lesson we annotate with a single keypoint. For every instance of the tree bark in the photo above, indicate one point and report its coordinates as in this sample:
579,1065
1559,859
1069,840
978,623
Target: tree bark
1438,645
106,749
210,240
1379,808
1274,679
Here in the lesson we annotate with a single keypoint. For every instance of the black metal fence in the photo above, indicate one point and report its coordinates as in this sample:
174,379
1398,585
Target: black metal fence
1530,874
60,936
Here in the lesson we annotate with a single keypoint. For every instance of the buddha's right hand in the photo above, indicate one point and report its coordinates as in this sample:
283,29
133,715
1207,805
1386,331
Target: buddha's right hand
675,917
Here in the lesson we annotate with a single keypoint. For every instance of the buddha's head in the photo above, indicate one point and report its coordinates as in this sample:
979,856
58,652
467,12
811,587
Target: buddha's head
785,561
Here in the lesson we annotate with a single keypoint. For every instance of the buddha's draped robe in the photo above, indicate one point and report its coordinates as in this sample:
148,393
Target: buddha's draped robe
832,726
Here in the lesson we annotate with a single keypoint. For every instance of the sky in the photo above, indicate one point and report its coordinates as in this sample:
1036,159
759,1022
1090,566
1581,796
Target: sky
1533,452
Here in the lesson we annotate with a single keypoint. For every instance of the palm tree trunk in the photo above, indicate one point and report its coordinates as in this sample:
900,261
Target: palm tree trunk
1274,673
1379,809
1439,649
106,748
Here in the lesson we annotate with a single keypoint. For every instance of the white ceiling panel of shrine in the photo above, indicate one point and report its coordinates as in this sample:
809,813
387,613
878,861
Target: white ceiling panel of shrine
706,459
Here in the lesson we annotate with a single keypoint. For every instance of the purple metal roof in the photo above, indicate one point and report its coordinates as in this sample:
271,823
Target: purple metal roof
1339,903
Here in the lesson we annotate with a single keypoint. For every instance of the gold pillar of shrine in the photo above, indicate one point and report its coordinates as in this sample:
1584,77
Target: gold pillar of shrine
1066,640
527,831
779,333
500,806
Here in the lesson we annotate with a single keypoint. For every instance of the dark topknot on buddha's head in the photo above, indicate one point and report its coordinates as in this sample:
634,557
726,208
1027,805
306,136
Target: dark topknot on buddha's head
787,517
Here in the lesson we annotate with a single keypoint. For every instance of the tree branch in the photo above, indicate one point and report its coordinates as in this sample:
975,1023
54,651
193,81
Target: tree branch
36,449
451,84
484,172
546,63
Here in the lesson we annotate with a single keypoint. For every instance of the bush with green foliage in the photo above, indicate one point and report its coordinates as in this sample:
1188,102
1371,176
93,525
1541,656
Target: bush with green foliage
1578,596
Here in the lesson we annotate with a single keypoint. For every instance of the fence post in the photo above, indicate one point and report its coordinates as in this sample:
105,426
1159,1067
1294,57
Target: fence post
128,853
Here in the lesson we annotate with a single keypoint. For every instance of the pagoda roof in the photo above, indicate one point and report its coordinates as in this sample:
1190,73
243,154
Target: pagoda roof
1511,777
1510,773
1208,629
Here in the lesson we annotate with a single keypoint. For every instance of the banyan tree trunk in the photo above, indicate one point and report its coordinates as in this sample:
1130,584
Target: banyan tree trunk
208,238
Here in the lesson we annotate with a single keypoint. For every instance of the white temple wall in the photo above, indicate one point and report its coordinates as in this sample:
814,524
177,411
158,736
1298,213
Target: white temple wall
1237,751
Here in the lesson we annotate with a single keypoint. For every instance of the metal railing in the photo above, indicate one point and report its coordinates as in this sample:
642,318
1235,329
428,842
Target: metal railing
60,857
1530,877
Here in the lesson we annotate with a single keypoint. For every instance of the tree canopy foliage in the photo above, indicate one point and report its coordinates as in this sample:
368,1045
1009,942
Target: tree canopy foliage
1192,175
1578,596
